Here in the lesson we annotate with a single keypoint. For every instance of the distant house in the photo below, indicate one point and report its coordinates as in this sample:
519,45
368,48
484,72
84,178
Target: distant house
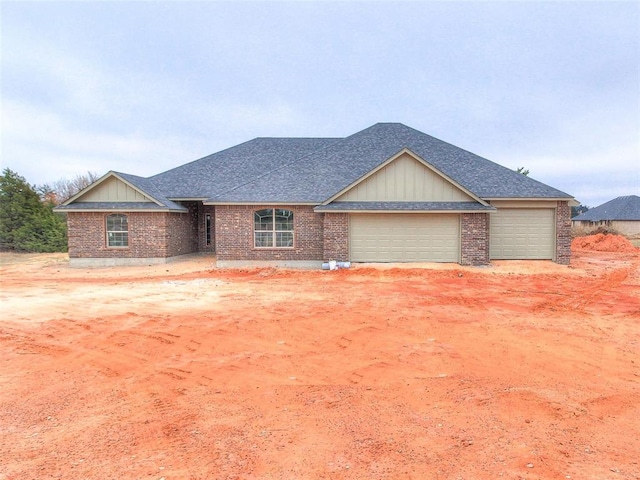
388,193
621,214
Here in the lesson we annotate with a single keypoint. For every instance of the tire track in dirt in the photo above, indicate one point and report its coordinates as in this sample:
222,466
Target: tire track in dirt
353,374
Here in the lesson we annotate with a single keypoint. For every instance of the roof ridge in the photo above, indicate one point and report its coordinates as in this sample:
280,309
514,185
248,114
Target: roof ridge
297,138
127,174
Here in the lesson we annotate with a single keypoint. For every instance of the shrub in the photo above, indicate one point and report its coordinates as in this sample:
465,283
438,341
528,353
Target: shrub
28,224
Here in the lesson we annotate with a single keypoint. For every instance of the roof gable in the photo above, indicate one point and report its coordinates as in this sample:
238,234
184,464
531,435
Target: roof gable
113,189
122,191
404,178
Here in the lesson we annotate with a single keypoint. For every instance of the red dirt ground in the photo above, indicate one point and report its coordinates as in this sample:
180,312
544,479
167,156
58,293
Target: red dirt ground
521,370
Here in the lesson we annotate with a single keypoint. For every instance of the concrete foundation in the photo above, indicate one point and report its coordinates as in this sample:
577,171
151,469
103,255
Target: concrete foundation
309,264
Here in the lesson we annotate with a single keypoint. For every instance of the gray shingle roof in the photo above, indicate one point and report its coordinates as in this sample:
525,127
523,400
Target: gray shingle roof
313,170
148,186
220,172
404,206
321,174
621,208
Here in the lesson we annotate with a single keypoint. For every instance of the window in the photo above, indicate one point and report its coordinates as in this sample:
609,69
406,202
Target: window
117,230
207,227
273,228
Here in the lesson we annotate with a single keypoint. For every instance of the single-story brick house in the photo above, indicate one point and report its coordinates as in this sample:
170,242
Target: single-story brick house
388,193
621,214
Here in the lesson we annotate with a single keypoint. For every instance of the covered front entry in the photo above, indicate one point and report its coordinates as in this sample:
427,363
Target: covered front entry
404,237
522,234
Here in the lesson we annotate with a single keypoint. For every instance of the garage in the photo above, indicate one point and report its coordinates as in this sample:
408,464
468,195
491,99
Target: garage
404,237
522,234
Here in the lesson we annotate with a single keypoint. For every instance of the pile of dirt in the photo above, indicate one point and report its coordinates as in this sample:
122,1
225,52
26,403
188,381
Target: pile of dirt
603,243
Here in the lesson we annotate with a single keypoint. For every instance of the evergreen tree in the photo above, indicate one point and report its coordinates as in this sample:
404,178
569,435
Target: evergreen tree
26,223
580,209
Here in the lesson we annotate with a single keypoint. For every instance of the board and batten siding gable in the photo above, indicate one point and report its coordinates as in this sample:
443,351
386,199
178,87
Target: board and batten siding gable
113,190
405,179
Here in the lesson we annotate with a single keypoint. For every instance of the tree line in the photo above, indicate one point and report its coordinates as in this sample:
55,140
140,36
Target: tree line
27,220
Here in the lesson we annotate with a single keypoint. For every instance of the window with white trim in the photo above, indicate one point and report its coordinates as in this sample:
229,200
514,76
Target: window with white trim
117,230
273,228
207,227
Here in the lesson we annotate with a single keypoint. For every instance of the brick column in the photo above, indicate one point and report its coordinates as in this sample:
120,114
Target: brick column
563,233
474,239
336,237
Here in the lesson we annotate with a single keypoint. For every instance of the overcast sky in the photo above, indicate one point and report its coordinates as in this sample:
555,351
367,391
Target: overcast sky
141,87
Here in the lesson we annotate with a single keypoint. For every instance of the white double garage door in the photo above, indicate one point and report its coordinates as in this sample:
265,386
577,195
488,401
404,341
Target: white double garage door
413,237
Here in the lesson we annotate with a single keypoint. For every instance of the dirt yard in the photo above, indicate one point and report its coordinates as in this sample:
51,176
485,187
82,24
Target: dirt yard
520,370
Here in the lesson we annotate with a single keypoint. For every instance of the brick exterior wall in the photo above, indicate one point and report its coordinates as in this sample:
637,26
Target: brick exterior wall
151,235
181,231
234,234
317,236
336,237
474,241
563,233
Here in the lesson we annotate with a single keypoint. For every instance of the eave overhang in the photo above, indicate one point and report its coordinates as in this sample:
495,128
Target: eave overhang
116,207
572,201
188,199
404,207
266,202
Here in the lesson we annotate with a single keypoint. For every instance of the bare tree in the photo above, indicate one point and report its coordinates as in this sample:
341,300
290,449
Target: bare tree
65,188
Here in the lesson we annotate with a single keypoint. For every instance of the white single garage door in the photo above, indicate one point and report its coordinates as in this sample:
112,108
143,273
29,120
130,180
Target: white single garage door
522,234
404,237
